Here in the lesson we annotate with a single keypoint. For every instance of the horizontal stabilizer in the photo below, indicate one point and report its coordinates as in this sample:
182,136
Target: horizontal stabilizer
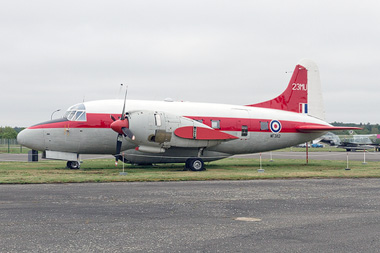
202,133
321,128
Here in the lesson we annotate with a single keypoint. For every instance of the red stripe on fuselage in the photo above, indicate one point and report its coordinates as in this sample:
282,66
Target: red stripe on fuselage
101,120
94,120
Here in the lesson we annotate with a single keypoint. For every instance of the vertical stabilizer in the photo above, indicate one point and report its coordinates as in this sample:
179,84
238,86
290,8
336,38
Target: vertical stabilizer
303,94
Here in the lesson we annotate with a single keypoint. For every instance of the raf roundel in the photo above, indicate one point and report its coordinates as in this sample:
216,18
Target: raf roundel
275,126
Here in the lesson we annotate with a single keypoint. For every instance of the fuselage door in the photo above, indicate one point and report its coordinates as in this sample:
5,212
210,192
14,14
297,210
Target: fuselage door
73,139
243,124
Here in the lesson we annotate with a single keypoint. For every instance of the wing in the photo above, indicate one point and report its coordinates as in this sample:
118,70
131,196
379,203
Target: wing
202,133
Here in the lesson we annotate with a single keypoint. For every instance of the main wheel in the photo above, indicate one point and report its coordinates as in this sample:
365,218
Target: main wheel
195,164
73,165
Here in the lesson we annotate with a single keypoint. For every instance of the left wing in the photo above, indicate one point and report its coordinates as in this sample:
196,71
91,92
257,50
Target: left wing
202,133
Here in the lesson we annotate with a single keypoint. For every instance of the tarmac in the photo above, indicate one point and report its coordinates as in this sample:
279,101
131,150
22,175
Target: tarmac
308,215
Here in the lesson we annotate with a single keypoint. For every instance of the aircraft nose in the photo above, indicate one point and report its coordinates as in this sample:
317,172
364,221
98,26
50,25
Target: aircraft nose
21,137
31,138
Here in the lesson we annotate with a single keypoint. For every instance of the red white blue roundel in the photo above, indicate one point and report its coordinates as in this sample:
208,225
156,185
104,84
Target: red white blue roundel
275,126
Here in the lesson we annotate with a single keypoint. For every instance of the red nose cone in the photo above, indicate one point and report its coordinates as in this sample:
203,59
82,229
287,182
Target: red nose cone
119,124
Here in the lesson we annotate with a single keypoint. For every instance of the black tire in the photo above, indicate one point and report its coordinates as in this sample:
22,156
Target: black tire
196,164
73,165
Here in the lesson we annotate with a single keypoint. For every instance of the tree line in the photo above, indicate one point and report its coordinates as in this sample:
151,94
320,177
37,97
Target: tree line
9,132
367,128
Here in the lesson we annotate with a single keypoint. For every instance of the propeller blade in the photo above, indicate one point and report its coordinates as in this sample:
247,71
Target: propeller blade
127,132
113,118
125,100
118,147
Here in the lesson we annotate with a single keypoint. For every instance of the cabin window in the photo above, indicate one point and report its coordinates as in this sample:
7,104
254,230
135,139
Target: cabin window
76,113
244,130
157,119
215,124
264,125
79,116
70,115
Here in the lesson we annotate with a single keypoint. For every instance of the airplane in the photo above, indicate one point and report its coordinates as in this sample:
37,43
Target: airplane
331,139
150,132
353,142
359,142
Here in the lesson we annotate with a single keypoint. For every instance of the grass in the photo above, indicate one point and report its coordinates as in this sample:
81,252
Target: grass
13,149
104,170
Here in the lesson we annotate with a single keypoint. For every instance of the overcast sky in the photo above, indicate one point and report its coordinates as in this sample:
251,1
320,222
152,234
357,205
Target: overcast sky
54,54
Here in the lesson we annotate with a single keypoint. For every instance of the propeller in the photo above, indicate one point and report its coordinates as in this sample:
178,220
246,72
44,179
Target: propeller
121,126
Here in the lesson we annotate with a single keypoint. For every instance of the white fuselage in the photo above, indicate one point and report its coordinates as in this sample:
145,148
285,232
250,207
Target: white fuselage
257,129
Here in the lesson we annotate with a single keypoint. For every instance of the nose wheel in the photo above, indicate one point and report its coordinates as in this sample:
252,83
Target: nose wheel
73,165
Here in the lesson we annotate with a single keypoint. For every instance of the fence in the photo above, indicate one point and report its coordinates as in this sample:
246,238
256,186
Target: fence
11,146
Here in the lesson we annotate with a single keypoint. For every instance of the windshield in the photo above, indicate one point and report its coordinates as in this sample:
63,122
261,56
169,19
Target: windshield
76,113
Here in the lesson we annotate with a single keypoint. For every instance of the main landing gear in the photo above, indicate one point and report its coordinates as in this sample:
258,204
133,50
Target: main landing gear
195,164
73,165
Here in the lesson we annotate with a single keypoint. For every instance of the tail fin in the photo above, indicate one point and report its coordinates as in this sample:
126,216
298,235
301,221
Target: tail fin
303,94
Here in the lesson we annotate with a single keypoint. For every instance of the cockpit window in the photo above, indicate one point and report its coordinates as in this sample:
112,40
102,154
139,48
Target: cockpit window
76,113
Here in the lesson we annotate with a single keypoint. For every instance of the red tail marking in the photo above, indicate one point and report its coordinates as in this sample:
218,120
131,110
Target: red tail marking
295,93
